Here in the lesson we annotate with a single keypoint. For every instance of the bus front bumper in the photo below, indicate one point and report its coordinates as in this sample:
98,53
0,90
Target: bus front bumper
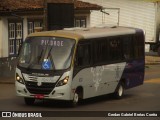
58,93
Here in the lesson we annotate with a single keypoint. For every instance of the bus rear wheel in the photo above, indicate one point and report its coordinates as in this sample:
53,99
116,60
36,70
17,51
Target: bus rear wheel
119,91
29,101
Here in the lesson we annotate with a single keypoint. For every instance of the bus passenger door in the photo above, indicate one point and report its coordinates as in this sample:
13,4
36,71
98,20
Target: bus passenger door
82,69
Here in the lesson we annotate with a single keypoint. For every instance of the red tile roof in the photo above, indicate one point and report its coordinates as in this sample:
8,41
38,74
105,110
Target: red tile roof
16,5
7,5
86,5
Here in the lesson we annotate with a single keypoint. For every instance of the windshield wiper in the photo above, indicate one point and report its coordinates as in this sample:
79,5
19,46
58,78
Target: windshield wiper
49,55
42,55
38,58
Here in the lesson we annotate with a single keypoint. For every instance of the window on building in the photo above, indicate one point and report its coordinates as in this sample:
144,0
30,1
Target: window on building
15,30
80,22
30,27
33,24
11,37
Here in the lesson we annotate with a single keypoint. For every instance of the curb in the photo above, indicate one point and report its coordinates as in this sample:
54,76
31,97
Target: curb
4,82
152,60
152,63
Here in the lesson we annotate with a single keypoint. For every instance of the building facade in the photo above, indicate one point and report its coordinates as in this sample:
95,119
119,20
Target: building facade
18,18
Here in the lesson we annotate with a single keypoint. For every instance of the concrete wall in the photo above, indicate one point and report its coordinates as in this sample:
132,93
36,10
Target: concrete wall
7,66
158,20
25,28
4,37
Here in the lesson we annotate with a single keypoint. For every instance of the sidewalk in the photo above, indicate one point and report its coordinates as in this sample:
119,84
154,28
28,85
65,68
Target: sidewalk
152,60
149,60
7,80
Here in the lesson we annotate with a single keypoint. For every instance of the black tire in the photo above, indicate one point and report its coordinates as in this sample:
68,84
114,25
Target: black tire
74,102
29,101
118,94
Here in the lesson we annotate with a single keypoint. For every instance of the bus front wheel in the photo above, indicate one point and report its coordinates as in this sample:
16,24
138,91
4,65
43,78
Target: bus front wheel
75,100
29,101
119,91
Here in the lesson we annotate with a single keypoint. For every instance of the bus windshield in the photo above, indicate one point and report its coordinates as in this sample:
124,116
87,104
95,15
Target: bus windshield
47,53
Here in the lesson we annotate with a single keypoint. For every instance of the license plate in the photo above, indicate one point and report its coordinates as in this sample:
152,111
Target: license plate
39,96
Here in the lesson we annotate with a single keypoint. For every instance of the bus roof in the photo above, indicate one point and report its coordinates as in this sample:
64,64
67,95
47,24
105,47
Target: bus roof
86,33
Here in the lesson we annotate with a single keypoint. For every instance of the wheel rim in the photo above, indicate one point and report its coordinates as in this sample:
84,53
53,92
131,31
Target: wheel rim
120,90
75,99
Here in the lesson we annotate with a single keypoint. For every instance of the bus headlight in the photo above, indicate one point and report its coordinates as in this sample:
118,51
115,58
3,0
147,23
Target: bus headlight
19,79
63,82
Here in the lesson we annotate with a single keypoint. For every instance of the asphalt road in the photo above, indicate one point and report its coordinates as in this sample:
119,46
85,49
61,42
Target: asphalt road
142,98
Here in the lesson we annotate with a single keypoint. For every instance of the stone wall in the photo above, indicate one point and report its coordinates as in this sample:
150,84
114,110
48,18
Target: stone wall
7,66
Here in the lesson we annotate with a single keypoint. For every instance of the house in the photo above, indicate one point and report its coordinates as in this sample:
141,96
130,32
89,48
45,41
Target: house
22,17
144,14
18,18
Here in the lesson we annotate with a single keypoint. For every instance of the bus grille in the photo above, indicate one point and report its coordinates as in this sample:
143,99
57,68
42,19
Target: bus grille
33,78
45,88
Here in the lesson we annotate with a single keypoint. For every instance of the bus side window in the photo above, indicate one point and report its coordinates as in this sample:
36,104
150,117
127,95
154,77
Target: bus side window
115,45
128,47
83,56
139,46
101,55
